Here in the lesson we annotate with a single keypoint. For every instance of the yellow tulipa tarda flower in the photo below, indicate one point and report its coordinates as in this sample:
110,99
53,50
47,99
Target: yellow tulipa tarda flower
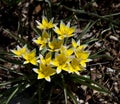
74,66
60,62
55,53
64,30
82,55
44,71
30,57
75,44
20,51
47,59
42,40
55,45
66,51
45,24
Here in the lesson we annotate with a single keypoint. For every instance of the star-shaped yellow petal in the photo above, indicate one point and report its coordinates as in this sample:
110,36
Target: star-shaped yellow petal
30,57
20,51
64,30
45,23
44,71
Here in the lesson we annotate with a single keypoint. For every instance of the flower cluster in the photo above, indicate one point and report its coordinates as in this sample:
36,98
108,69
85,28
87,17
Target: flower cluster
55,55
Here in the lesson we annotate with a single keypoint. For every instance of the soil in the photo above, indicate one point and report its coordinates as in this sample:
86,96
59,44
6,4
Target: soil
19,18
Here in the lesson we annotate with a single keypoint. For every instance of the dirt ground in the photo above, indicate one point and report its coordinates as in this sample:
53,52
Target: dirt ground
20,19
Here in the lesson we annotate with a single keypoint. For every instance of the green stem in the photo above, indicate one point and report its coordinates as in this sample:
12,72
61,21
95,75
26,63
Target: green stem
110,15
64,88
49,100
90,14
40,86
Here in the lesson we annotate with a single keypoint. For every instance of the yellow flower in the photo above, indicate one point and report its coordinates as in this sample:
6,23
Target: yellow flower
44,71
60,62
20,51
83,56
64,30
74,66
42,40
75,44
67,52
30,57
55,45
80,53
45,24
47,59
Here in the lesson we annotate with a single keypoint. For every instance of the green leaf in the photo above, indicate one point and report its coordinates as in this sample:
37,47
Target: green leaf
12,95
99,55
86,29
111,15
9,70
16,89
2,57
16,37
79,11
36,31
50,95
89,40
11,2
64,88
88,82
40,91
107,57
73,98
49,2
17,80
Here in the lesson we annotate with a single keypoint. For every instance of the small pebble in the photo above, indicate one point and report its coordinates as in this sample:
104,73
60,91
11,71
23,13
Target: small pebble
83,87
94,4
115,83
97,44
101,100
110,70
113,38
81,101
105,102
86,103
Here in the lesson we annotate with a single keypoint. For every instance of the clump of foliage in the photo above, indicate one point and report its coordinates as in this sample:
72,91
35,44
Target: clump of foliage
55,60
